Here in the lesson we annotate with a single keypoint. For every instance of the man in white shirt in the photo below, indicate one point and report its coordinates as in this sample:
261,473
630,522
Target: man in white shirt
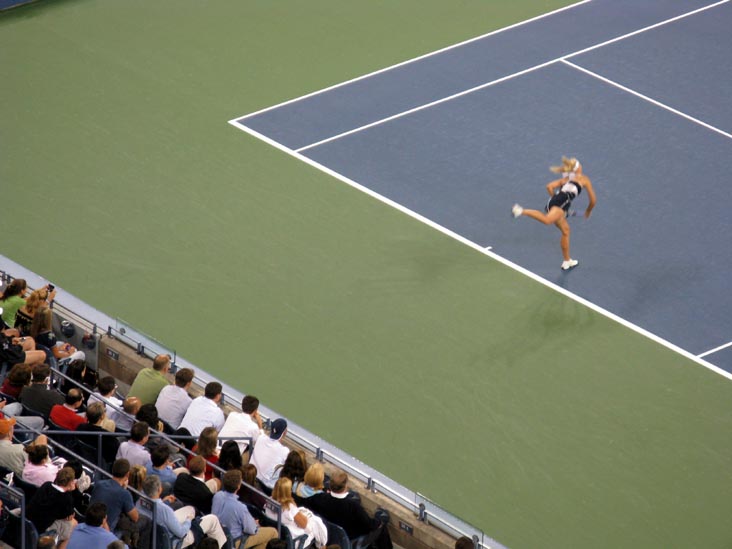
204,411
173,400
247,423
269,453
105,393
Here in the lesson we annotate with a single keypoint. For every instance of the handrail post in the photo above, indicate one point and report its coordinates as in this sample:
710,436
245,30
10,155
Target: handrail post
100,443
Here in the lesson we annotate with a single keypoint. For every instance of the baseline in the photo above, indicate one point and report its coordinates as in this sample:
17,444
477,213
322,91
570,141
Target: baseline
297,124
409,61
521,73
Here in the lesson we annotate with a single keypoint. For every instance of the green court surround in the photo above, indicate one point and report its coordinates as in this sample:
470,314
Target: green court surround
523,412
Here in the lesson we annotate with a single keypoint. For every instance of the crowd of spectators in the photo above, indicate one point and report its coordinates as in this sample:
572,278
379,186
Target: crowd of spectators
207,482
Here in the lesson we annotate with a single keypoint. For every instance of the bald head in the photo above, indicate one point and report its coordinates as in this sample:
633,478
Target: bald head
161,363
132,405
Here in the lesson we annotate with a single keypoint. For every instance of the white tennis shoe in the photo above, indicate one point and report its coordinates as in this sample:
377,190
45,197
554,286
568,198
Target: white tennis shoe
517,210
567,265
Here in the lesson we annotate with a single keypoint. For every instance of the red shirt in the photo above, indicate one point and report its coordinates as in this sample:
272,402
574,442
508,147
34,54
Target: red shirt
66,418
10,389
209,473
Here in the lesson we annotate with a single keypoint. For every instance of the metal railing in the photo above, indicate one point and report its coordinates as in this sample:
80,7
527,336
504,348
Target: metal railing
98,471
159,434
16,498
143,500
423,509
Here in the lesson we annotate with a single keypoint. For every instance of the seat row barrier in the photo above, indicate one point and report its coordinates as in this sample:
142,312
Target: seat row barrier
421,507
17,498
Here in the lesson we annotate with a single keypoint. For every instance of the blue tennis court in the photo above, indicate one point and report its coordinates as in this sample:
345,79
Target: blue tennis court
638,91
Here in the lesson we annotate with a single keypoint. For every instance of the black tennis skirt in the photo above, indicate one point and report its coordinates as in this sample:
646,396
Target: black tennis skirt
560,200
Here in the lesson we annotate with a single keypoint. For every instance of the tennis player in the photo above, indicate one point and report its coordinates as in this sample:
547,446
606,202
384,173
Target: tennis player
562,191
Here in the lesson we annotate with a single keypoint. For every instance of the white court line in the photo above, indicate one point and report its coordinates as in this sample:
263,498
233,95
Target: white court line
711,351
483,250
650,27
508,77
408,61
646,98
426,106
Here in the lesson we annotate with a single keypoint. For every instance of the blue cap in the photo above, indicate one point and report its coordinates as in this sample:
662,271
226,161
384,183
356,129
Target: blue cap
279,426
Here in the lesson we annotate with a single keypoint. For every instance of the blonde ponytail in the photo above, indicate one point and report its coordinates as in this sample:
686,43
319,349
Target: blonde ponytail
568,165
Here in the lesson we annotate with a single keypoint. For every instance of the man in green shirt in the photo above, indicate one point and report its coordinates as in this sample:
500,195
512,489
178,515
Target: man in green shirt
150,381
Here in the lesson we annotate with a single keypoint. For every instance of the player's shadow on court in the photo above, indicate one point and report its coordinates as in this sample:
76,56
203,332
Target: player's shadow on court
564,278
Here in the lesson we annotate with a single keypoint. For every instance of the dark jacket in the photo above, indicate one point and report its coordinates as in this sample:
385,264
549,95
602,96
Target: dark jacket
192,491
347,513
48,505
40,398
110,445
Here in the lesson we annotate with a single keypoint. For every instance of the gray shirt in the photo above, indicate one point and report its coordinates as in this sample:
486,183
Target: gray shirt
135,453
12,456
172,405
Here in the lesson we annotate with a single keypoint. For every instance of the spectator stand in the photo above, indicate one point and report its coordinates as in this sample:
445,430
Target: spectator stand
17,498
122,351
71,447
66,324
172,439
97,472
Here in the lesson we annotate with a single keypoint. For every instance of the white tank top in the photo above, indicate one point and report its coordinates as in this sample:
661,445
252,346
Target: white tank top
570,186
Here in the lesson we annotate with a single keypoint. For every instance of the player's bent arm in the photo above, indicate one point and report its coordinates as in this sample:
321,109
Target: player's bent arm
554,185
591,195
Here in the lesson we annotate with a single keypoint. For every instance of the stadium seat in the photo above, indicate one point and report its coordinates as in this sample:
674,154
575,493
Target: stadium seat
365,541
337,535
29,489
4,472
238,542
62,436
256,512
164,540
31,412
13,535
293,543
89,453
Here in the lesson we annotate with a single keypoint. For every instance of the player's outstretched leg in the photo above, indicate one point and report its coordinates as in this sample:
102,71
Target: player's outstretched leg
551,218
